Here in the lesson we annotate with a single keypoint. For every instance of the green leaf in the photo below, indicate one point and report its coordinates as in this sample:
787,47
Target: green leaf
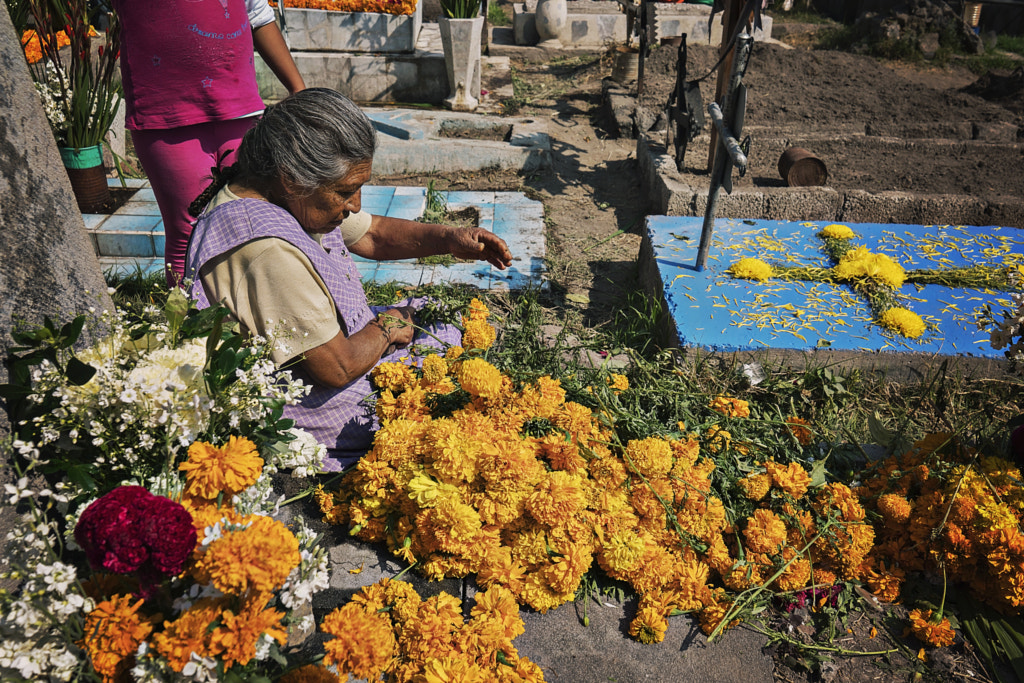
175,310
1009,644
81,475
275,654
818,473
70,332
79,373
881,434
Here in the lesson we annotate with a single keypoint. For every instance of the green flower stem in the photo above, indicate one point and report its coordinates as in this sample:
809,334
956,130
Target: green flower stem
820,648
308,491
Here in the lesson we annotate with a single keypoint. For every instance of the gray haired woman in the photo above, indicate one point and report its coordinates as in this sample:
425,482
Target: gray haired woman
273,245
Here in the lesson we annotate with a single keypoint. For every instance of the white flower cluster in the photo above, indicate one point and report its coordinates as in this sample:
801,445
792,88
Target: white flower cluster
34,642
304,455
53,103
311,575
1009,333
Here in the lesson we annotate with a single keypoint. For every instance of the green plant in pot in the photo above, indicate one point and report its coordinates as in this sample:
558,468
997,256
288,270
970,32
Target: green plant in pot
460,9
80,90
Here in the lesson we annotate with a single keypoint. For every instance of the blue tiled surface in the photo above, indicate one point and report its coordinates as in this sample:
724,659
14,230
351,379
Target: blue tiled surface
714,311
134,236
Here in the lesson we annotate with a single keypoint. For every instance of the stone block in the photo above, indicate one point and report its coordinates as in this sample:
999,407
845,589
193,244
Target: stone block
672,20
588,24
317,30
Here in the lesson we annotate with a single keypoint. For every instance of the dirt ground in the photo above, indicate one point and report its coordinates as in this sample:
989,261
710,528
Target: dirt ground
594,211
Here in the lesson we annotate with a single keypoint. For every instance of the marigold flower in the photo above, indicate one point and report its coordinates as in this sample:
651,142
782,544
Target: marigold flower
237,635
618,382
859,265
792,478
479,378
837,232
557,499
929,630
112,633
730,407
393,376
717,439
765,532
903,321
649,626
478,335
798,427
894,508
435,369
362,643
228,469
651,457
256,558
751,269
188,634
755,486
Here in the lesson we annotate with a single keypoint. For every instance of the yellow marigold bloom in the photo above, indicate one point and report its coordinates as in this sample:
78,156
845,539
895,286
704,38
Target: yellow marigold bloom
478,335
651,457
717,439
751,269
929,630
478,310
451,453
998,515
236,637
859,265
649,626
885,584
618,382
112,633
730,407
765,532
479,378
557,499
435,369
755,486
799,428
453,353
792,478
797,575
451,670
837,232
895,509
229,469
257,558
712,615
622,552
187,634
454,525
310,673
393,376
903,321
363,643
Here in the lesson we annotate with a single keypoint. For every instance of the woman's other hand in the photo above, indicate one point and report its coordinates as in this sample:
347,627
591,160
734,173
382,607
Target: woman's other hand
479,244
397,323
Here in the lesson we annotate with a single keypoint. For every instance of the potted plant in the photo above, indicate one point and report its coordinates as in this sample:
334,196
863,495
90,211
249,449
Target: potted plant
79,89
461,25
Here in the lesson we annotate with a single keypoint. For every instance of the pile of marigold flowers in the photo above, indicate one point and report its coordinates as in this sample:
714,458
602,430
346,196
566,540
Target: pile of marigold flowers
946,510
470,474
378,6
388,630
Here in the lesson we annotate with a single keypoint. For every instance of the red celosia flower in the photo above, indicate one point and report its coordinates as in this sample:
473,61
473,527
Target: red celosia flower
131,530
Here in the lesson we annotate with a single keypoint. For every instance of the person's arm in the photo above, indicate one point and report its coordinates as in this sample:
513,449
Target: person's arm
390,239
345,359
270,44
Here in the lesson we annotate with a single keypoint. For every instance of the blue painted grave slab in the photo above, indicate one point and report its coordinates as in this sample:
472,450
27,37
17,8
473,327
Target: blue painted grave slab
714,311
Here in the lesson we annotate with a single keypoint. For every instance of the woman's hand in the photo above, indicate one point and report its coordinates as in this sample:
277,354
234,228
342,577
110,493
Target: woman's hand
397,325
345,359
479,244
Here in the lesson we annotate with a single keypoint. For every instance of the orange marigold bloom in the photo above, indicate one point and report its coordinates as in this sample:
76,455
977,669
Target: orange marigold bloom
799,428
792,478
256,558
730,407
228,469
765,532
929,630
895,509
479,378
478,335
651,457
717,439
618,382
394,376
557,499
236,636
187,634
112,633
755,486
649,626
435,369
363,643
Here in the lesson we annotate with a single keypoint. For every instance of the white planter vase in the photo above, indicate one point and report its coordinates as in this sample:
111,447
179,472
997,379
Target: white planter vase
551,19
460,39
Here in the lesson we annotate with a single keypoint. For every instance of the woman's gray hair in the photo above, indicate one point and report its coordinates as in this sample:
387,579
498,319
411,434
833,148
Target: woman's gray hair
312,138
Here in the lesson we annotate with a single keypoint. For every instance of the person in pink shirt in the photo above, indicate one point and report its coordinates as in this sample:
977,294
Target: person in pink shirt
190,91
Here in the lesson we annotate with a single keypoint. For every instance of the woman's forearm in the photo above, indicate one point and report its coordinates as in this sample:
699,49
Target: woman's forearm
270,44
343,359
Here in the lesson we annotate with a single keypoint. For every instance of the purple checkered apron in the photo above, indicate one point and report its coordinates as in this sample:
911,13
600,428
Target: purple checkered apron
339,418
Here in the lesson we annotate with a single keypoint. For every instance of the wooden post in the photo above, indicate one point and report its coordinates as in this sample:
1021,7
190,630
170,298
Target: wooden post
730,19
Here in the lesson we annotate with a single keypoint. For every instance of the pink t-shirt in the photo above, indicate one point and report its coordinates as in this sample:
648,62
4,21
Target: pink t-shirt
186,61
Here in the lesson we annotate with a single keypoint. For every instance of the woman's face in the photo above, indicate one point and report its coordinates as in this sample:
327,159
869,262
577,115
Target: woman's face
330,204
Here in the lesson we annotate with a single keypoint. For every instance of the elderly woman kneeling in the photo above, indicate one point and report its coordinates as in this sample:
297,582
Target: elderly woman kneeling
274,246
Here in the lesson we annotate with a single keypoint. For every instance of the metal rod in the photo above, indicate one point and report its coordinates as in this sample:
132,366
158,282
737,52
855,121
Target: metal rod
732,146
739,67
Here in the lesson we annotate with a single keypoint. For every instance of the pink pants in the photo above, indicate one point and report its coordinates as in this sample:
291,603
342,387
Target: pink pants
178,162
